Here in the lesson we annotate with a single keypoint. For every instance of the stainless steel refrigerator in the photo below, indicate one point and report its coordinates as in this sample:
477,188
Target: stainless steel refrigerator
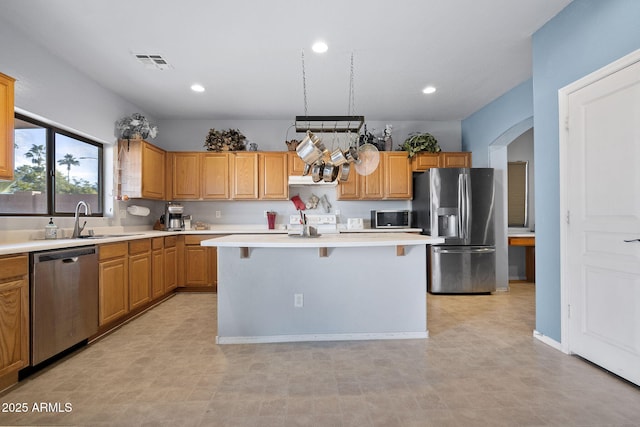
458,204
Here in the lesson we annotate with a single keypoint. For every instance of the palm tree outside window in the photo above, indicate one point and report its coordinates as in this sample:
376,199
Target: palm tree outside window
54,170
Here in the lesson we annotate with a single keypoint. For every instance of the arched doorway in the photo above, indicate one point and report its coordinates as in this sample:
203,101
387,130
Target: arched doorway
498,159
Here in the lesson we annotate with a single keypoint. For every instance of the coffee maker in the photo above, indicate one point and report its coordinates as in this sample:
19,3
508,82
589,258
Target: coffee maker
173,220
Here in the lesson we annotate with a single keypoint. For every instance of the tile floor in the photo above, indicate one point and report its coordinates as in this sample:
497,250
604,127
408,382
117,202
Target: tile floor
480,367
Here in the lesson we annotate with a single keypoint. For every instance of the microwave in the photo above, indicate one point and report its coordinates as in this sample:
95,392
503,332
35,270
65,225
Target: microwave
390,219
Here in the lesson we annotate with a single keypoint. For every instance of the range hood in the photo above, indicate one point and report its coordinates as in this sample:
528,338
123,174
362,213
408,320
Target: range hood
308,180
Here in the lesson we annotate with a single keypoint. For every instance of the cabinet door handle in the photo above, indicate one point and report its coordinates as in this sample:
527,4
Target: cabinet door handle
632,240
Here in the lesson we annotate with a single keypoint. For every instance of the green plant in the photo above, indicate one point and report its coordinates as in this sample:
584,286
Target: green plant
418,142
225,140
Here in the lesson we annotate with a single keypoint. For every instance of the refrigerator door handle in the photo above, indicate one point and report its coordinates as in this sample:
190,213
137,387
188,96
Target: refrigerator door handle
464,250
461,232
463,203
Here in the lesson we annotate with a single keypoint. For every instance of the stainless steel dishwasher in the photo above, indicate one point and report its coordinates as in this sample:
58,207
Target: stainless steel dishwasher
64,300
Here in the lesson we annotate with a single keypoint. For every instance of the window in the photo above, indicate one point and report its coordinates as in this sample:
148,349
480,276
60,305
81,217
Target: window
518,189
54,170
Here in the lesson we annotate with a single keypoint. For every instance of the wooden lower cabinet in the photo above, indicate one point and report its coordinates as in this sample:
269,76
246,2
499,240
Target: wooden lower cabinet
170,263
139,273
113,279
14,317
200,262
157,268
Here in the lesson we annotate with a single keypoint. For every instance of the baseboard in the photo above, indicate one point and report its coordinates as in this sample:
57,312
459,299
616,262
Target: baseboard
548,341
322,337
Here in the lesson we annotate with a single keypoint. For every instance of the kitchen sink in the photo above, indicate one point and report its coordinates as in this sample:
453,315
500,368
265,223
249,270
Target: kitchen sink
105,236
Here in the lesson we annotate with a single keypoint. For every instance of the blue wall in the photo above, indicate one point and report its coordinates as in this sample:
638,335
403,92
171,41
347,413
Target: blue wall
585,36
484,126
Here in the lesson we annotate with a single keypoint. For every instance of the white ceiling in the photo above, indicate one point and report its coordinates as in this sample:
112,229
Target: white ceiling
247,53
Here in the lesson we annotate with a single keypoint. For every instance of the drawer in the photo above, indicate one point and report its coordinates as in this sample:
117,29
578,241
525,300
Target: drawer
170,241
112,250
157,243
139,246
195,239
522,241
14,266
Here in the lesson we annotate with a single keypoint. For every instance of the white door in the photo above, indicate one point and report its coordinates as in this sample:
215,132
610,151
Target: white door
602,191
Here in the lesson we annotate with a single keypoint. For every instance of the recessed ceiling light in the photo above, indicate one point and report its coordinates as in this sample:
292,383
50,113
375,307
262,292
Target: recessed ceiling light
429,89
320,47
197,87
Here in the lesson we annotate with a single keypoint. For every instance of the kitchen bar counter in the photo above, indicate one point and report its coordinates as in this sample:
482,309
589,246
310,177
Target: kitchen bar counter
327,240
334,287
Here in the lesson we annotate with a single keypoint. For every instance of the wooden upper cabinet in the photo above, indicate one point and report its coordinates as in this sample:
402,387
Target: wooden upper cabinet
153,172
372,185
423,161
142,170
349,189
455,160
215,176
6,127
244,175
273,176
296,165
398,177
392,179
185,175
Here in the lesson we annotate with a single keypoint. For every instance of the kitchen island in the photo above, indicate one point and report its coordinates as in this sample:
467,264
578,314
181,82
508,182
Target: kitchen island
278,288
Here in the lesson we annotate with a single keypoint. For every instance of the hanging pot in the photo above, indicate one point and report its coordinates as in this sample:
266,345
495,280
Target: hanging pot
352,155
330,172
338,157
344,171
310,149
306,170
317,171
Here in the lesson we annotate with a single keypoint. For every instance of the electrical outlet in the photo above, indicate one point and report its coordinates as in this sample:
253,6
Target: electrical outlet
298,300
264,214
337,211
218,214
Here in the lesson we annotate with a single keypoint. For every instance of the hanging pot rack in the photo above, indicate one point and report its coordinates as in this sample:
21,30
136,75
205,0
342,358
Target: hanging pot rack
322,124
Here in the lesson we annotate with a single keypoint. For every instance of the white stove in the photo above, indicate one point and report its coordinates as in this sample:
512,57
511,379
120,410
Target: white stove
324,223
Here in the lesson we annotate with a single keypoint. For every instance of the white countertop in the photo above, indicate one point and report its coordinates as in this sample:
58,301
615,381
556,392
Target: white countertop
521,234
17,241
323,241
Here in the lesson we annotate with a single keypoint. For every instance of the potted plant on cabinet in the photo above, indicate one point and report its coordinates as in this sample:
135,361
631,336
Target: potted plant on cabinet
136,126
420,142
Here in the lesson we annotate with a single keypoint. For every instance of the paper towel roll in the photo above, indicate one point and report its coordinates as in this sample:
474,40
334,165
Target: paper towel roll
138,210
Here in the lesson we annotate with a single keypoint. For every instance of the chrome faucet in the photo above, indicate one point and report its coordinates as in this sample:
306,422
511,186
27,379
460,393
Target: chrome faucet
77,229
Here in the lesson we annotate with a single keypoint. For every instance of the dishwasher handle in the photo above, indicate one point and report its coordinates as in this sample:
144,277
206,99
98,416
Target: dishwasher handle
70,260
64,254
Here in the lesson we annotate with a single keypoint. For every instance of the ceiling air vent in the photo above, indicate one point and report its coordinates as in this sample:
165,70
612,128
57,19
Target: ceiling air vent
153,61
